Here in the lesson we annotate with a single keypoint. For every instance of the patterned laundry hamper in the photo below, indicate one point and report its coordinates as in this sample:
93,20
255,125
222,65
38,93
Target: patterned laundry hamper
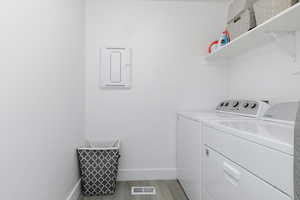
99,167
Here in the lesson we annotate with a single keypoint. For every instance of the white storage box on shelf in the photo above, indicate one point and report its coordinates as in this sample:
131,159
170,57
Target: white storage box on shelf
236,7
265,9
240,17
239,25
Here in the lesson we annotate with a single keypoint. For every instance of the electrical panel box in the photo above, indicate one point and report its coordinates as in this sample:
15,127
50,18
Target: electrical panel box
115,67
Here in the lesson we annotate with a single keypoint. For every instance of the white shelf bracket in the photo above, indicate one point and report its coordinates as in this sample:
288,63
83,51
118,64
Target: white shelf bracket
205,62
287,41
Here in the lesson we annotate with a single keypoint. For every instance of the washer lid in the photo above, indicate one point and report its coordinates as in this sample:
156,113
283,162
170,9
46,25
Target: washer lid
277,136
284,112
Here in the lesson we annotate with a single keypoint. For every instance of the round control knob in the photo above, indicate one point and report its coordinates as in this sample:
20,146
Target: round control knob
253,105
222,104
246,105
235,104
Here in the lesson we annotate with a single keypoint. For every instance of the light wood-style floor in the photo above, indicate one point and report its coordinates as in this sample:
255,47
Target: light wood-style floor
165,190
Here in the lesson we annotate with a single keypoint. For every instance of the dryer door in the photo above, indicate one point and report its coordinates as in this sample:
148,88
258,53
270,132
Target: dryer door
297,157
225,180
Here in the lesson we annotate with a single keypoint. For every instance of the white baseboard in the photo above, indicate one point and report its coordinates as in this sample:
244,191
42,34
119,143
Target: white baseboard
132,175
76,191
147,174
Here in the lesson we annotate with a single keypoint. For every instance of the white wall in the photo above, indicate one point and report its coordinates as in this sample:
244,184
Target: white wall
168,39
41,104
265,73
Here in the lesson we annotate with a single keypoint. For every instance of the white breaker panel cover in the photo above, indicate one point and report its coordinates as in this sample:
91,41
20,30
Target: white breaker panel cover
115,67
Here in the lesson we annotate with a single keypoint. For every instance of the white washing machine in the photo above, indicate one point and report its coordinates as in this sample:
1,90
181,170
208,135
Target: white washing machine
250,160
189,139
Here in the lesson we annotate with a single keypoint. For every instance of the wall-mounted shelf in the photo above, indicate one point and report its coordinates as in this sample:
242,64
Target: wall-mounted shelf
287,21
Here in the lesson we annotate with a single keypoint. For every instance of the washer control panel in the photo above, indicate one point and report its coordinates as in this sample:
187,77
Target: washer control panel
243,107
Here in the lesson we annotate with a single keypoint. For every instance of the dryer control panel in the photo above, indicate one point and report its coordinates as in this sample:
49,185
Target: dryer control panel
243,107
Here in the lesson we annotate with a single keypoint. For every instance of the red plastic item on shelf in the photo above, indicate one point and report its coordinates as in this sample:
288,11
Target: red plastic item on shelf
211,45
